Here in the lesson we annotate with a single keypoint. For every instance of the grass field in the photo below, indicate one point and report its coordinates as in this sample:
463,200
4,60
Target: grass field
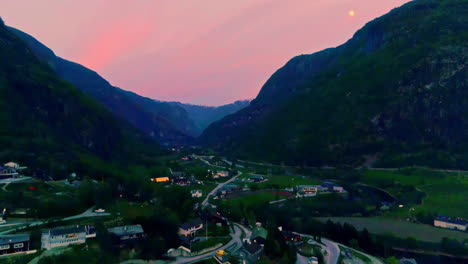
283,181
446,193
253,200
399,228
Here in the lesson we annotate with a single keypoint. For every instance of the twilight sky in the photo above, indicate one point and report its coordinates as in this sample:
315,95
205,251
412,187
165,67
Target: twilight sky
208,52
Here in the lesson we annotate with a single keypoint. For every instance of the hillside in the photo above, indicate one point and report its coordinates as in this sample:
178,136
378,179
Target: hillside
168,124
47,123
203,116
397,91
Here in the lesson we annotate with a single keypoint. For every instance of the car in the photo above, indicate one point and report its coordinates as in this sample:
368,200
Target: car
100,211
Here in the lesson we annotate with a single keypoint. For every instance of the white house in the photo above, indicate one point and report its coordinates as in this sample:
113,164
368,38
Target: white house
12,164
191,228
449,223
64,236
306,190
196,193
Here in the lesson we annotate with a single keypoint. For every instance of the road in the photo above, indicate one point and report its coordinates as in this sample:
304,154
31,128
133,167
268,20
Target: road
233,245
87,213
221,185
333,251
301,259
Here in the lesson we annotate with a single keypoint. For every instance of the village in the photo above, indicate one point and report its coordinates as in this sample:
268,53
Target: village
216,233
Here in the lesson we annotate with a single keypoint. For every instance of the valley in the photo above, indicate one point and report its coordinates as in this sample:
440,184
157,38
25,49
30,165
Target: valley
352,154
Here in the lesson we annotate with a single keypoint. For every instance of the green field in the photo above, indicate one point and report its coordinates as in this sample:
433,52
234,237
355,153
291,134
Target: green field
253,200
399,228
446,193
283,181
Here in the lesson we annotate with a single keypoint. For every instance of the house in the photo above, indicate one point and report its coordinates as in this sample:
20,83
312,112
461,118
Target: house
191,228
127,235
160,179
250,252
450,223
181,181
332,187
8,172
64,236
306,190
259,235
257,179
196,193
222,174
13,165
229,188
14,244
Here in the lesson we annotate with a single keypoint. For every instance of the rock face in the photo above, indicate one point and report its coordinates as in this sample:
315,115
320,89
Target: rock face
168,124
397,89
48,123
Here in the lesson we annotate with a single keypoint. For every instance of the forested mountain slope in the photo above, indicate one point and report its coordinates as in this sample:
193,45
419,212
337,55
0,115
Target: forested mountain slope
396,90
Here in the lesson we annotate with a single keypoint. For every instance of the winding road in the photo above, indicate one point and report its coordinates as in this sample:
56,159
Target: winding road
233,245
221,185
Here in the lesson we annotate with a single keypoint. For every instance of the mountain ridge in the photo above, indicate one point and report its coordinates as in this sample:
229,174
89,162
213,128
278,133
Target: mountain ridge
377,94
167,126
50,124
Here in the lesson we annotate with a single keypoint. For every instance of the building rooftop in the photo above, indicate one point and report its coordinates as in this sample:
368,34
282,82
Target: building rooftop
59,231
448,219
259,232
126,230
252,247
7,239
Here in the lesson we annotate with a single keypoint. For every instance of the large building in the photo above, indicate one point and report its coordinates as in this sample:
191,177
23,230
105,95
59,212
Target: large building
14,244
450,223
65,236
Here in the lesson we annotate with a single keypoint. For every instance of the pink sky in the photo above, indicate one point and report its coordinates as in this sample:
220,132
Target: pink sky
208,52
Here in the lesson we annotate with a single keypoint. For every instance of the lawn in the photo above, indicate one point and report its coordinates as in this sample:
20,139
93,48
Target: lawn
399,228
446,193
255,199
283,181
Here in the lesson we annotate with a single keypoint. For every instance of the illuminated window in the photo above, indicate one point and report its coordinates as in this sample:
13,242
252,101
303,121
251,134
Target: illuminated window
19,245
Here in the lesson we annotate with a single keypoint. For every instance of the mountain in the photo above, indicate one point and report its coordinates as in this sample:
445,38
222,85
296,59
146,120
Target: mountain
395,92
203,116
48,123
168,124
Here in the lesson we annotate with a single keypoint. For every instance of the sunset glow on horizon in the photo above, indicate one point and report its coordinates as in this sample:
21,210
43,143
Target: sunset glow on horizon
207,52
